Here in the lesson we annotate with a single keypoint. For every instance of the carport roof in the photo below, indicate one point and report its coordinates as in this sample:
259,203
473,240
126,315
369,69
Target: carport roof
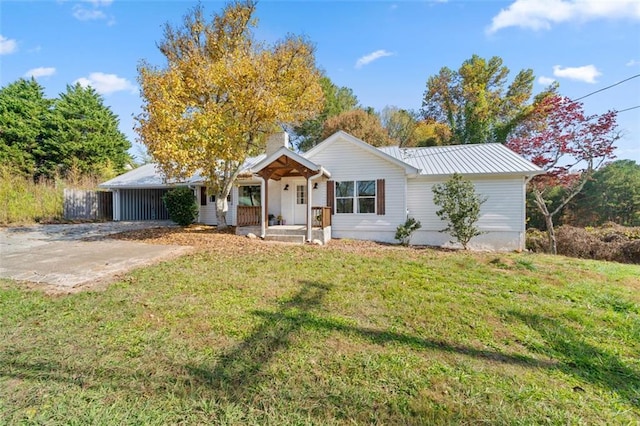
145,176
150,176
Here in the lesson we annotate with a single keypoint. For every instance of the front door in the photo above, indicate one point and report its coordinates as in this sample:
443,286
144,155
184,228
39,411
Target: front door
300,203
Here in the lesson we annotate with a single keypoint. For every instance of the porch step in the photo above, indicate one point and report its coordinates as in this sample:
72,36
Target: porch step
285,238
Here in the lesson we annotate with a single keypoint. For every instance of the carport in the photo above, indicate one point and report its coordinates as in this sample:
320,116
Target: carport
137,195
139,204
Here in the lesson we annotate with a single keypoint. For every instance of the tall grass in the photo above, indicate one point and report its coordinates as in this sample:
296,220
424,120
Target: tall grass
24,201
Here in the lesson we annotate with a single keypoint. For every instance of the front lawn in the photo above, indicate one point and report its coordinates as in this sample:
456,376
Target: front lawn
351,333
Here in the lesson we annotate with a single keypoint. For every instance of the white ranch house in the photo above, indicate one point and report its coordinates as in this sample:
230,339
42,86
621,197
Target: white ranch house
346,188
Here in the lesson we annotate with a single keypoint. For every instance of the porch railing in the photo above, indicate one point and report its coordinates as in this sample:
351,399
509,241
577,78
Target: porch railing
321,216
249,215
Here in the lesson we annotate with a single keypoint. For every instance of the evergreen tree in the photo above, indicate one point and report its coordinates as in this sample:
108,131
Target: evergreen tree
87,135
25,118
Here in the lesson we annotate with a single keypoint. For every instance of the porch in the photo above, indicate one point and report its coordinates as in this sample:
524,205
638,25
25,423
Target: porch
287,182
250,222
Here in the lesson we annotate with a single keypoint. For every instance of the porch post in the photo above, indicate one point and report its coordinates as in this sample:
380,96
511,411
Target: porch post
116,205
309,214
263,203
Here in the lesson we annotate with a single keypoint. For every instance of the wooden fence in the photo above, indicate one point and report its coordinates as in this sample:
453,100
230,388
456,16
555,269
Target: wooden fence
88,205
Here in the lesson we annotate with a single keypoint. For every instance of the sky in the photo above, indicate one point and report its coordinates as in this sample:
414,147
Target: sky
383,50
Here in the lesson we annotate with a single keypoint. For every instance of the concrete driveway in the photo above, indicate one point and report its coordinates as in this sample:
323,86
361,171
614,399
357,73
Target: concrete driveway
72,255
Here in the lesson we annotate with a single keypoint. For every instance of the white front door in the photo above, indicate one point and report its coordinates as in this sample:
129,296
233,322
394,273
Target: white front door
300,202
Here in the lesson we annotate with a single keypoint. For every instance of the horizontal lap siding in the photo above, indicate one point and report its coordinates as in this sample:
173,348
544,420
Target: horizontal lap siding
501,216
346,161
207,214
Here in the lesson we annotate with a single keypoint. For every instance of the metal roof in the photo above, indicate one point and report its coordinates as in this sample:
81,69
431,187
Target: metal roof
150,176
475,159
145,176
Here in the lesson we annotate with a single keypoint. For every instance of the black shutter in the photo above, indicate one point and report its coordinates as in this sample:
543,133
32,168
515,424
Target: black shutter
203,195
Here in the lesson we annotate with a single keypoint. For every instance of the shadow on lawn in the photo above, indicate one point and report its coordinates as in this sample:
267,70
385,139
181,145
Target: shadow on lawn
237,372
581,359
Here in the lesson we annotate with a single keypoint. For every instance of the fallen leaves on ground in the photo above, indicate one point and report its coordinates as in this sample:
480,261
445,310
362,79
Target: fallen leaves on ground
208,238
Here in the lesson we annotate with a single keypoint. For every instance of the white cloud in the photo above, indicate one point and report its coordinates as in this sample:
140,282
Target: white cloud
587,73
367,59
7,45
106,83
541,14
81,13
40,72
91,10
98,3
545,81
632,63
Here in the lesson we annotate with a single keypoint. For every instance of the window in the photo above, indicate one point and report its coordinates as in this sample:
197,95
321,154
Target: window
301,194
211,197
366,196
356,196
249,195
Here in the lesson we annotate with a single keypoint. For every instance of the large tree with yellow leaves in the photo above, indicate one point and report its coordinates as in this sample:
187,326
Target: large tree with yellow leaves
220,94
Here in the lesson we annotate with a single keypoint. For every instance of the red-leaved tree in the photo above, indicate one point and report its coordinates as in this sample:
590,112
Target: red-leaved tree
569,145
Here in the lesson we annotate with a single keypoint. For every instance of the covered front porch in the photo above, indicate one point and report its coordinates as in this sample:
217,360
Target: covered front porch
292,200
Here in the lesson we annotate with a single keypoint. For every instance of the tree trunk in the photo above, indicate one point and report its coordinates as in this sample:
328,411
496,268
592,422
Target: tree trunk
221,211
548,220
224,186
551,234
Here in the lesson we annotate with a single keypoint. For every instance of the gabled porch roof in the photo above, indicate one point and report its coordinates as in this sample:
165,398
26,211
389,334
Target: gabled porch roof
285,163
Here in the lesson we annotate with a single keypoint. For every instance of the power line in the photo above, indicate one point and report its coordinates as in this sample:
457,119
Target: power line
608,87
628,109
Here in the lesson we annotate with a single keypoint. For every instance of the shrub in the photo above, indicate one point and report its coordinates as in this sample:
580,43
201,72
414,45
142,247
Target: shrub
460,207
611,242
181,205
537,241
405,230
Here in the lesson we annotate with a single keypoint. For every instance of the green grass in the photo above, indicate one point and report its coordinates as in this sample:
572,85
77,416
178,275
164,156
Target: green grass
274,334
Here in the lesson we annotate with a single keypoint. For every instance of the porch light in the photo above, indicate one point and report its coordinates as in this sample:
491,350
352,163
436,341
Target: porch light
315,185
286,187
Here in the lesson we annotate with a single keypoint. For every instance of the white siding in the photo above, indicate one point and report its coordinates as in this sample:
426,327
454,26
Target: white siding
207,214
346,161
501,216
275,196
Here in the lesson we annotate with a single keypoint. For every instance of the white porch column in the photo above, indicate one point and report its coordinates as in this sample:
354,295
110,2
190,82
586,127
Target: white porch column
309,214
310,203
263,207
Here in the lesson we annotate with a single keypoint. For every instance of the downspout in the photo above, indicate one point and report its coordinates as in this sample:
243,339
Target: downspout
309,190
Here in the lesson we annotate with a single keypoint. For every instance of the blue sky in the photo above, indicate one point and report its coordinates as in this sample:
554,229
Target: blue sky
383,50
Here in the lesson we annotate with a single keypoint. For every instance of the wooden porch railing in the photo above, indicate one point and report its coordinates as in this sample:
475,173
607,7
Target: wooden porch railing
249,215
321,216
